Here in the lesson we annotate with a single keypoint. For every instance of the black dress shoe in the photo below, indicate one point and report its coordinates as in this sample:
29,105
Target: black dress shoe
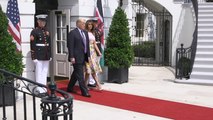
71,91
91,85
86,95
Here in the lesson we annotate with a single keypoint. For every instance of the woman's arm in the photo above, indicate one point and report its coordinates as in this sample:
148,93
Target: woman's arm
96,48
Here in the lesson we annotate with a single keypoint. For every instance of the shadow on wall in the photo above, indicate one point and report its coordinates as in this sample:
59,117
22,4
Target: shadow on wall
184,31
30,67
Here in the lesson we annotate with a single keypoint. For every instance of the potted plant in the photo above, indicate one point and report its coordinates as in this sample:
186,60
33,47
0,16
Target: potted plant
10,59
184,67
119,52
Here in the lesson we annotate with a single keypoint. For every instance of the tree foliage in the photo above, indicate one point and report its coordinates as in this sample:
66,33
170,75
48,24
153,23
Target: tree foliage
10,58
119,52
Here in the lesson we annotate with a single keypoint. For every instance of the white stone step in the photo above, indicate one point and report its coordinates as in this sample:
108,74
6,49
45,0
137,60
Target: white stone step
203,68
205,11
205,36
205,4
205,26
202,75
202,71
204,14
207,16
205,31
204,54
204,48
209,29
205,21
203,61
204,42
196,81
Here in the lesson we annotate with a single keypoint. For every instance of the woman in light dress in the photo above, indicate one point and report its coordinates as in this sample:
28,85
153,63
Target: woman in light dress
93,67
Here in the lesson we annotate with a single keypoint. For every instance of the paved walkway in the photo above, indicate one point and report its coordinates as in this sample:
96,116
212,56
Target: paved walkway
154,82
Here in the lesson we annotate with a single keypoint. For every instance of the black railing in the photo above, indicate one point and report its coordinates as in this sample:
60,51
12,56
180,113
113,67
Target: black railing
185,56
53,105
183,62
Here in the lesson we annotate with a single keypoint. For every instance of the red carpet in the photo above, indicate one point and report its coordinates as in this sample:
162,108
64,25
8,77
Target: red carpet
157,107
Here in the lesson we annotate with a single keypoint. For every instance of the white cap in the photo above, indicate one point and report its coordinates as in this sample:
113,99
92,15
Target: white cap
95,19
41,16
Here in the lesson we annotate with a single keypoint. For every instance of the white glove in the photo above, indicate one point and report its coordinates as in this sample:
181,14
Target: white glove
50,59
35,60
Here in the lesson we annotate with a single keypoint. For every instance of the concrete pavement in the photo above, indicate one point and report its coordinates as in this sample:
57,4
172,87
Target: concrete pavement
154,82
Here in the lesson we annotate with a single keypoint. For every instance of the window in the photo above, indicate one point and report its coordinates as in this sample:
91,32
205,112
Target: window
61,34
140,25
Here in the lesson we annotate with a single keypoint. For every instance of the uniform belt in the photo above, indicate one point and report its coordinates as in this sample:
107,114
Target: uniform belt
98,42
42,44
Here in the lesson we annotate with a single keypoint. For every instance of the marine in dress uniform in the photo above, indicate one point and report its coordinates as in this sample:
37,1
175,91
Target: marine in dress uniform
40,44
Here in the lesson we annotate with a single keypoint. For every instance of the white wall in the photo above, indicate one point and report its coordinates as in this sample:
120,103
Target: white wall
79,8
85,9
188,26
182,24
174,9
184,30
127,7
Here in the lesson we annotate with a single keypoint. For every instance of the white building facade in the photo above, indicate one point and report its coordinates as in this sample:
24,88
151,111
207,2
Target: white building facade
181,26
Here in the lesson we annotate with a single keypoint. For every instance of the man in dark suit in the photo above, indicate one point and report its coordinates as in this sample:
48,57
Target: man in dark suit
78,47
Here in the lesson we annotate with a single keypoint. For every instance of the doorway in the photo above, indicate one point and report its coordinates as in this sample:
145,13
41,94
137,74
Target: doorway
166,42
60,27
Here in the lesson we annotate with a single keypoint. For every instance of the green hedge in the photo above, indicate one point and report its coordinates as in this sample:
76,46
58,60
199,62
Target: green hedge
10,59
145,49
119,52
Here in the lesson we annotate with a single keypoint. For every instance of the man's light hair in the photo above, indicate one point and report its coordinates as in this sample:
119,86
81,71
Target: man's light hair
79,21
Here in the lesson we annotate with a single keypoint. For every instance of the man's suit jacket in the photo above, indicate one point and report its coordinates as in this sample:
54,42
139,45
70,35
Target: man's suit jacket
75,46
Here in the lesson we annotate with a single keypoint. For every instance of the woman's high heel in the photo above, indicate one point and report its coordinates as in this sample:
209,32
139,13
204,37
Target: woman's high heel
100,88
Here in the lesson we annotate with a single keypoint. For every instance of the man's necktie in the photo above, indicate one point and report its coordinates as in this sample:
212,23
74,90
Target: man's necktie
84,41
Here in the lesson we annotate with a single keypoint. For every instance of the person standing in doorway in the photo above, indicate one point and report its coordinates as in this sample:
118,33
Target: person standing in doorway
79,53
40,44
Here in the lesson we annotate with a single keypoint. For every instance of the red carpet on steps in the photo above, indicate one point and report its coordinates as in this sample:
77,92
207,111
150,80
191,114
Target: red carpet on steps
157,107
